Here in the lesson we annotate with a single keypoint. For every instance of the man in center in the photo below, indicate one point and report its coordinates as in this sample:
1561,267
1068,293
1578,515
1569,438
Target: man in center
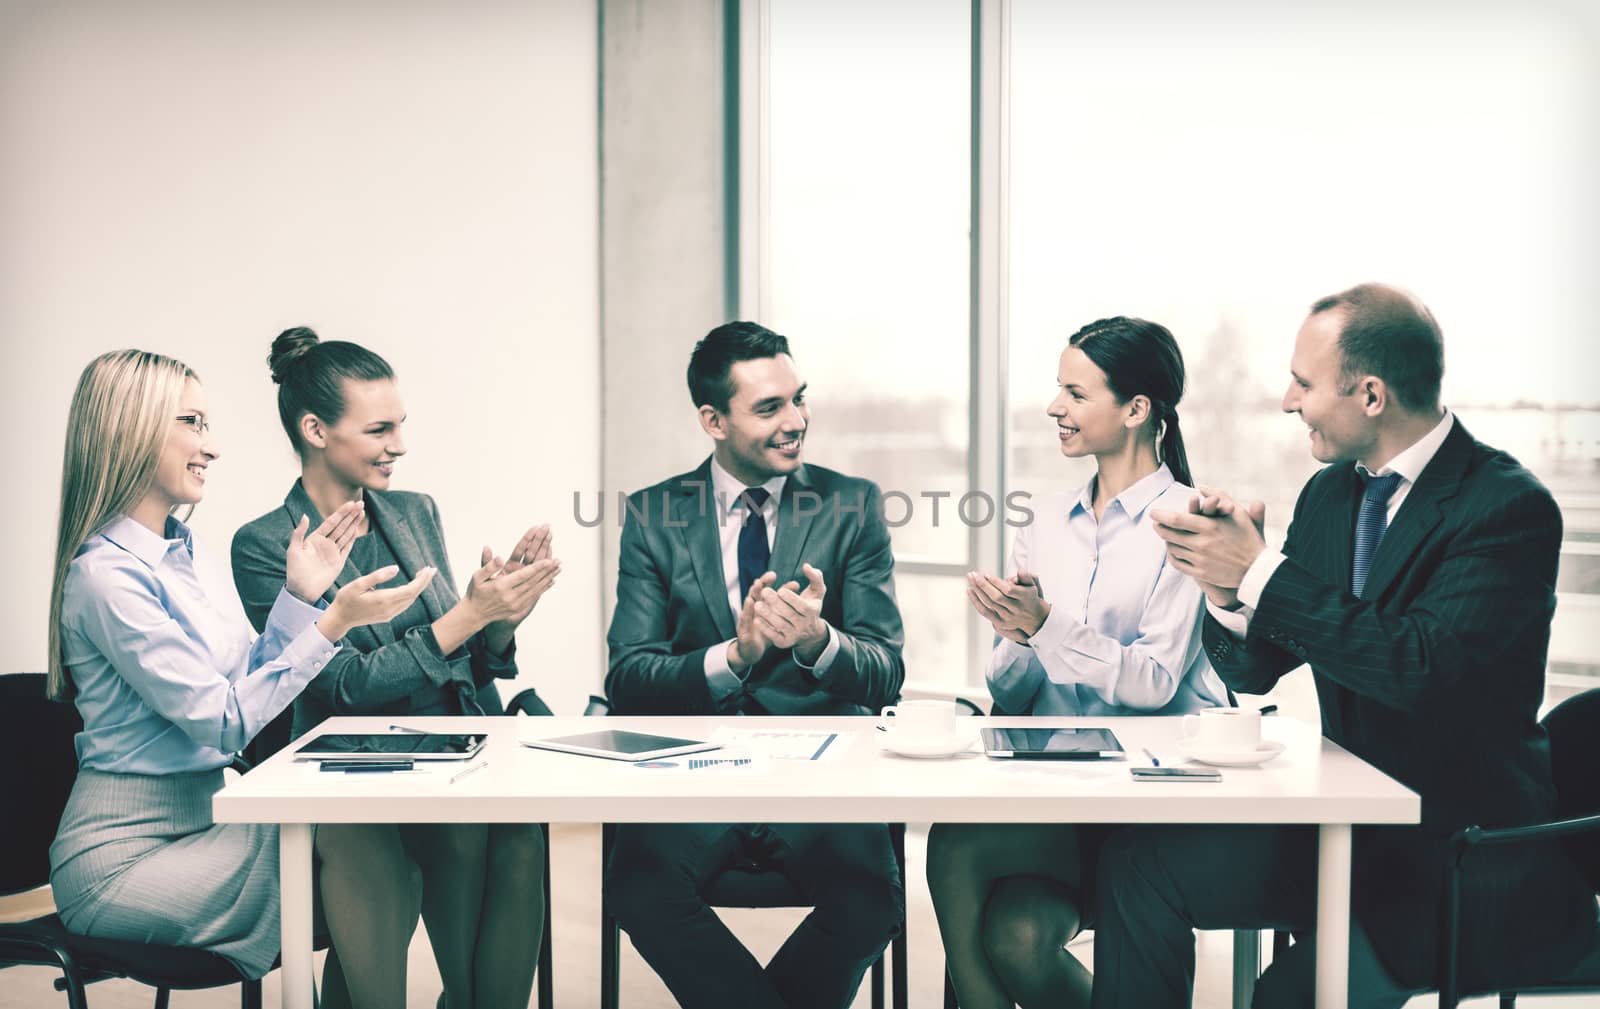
755,585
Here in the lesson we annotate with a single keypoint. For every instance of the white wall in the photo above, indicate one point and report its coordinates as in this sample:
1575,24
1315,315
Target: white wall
191,177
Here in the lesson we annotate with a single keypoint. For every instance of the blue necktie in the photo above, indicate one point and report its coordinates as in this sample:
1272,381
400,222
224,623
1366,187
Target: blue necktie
754,553
1370,526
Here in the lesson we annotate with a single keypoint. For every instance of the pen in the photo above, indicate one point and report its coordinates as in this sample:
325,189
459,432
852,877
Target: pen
1153,761
407,728
466,771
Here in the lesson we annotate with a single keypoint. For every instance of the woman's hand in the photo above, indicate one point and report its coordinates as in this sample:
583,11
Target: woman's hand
502,594
1014,606
361,602
314,561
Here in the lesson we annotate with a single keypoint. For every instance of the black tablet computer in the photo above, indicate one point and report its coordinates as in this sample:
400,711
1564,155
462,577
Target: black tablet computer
392,746
1052,744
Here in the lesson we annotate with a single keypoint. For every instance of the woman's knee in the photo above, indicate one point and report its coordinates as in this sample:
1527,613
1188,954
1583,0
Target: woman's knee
1027,921
954,848
452,844
362,849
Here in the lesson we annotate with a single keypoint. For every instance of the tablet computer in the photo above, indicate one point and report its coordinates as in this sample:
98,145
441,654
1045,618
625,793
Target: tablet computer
620,744
1052,744
391,746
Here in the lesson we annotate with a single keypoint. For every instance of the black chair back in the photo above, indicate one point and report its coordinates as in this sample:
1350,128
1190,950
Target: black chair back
1574,730
38,765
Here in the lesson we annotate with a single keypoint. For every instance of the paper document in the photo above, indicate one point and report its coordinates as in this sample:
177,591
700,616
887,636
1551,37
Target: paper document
782,744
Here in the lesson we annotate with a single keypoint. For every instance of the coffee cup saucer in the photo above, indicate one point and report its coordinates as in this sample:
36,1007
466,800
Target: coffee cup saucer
945,745
1209,754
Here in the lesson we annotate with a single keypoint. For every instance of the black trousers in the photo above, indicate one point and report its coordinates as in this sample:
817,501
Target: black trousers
1157,884
846,872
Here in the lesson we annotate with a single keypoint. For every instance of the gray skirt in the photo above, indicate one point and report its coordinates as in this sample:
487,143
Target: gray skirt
138,857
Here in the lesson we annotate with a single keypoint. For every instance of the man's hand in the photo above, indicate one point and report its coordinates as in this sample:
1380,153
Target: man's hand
750,642
1214,542
791,618
1014,606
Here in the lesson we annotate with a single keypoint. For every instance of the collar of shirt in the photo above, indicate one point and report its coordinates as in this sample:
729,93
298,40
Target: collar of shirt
726,488
1410,463
133,537
1134,499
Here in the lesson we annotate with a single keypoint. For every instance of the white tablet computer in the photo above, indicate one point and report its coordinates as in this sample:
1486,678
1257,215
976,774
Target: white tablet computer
1052,744
620,744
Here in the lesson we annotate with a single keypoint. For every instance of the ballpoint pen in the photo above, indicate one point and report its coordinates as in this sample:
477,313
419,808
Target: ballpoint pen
1153,761
466,771
407,728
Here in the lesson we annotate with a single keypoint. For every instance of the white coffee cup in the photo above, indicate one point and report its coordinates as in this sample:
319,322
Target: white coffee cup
1231,729
923,719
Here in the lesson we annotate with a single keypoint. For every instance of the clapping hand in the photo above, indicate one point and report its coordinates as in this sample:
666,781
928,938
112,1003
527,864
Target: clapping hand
531,552
314,561
750,642
792,618
1213,543
1015,607
362,602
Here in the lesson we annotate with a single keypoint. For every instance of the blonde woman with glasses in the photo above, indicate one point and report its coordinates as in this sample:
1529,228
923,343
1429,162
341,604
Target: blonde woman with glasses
168,682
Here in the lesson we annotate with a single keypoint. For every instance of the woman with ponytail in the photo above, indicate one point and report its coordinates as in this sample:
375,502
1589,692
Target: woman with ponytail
1090,620
482,893
169,684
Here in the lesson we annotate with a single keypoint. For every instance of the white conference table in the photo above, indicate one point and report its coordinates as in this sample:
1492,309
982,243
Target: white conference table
1312,782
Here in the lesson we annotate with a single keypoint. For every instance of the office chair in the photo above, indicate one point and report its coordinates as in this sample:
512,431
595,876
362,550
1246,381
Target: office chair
1574,730
38,765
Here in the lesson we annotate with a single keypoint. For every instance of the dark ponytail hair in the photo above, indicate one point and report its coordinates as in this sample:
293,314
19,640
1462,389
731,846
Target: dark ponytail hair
310,375
1141,358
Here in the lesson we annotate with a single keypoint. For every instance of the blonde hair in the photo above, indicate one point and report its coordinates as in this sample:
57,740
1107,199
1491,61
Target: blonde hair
117,427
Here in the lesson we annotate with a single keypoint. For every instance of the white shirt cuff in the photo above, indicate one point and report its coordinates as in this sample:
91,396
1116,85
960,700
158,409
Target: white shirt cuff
1256,578
1235,622
1052,632
825,660
720,677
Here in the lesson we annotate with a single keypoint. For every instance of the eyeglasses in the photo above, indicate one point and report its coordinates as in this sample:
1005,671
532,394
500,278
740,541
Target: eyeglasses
196,421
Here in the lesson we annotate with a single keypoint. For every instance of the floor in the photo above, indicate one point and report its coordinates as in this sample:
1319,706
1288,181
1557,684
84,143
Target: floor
576,852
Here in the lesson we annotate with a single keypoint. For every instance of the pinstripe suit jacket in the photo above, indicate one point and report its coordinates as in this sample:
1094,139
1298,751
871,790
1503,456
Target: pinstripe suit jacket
1435,676
672,603
378,672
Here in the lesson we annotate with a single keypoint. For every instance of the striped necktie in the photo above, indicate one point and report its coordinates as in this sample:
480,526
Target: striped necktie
1370,526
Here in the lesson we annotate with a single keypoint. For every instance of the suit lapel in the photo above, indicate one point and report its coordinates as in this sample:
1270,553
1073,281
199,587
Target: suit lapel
408,554
695,511
1342,529
1420,512
788,546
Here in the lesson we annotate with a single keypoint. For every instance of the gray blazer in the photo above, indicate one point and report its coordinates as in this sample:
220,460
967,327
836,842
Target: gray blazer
376,671
672,603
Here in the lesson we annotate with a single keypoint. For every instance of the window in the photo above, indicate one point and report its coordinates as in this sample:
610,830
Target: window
1158,160
867,269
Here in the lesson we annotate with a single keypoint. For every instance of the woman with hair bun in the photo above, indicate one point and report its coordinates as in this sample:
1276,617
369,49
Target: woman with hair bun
482,885
168,684
1090,620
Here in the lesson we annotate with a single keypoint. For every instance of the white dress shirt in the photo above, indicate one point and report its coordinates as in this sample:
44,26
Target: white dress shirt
1409,464
1123,634
167,678
725,491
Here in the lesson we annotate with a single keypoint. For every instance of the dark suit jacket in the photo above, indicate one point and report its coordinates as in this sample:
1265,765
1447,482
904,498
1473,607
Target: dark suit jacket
672,601
1435,677
377,671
